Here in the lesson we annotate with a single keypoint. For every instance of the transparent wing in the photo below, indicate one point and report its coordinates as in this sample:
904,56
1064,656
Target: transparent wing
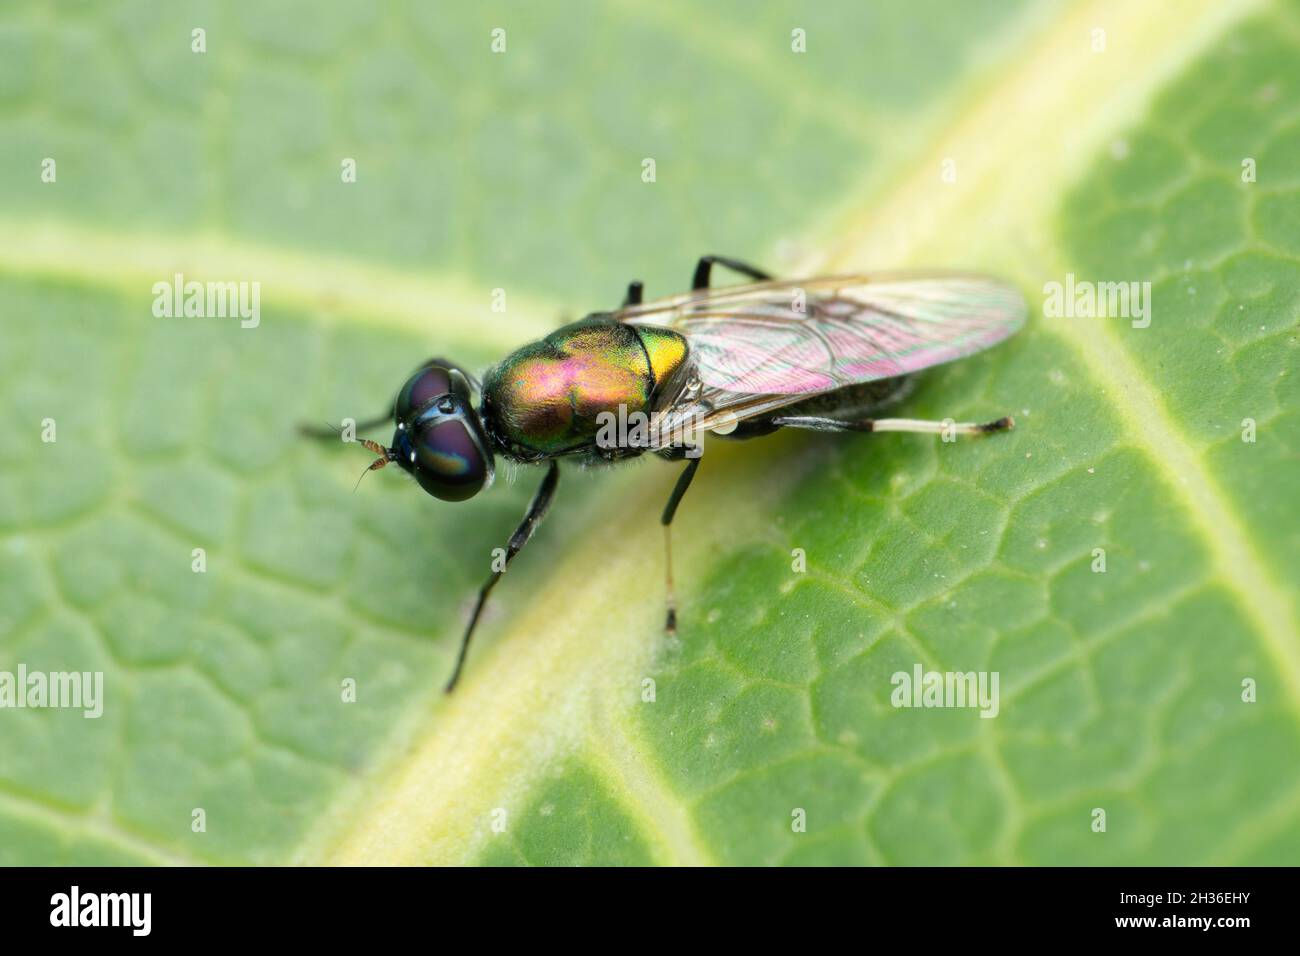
755,348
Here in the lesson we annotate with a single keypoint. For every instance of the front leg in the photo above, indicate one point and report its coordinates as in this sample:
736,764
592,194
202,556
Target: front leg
532,518
329,431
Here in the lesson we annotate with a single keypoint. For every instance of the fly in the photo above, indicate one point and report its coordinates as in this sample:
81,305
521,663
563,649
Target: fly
740,361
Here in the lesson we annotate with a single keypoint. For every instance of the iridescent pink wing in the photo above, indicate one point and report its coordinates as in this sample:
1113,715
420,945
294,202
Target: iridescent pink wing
755,348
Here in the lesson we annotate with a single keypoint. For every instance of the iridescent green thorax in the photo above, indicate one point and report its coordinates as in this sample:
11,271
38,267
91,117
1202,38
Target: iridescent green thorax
545,399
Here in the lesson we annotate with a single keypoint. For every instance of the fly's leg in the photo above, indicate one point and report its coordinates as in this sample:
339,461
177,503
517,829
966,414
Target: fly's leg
634,293
532,518
893,425
329,431
704,269
683,482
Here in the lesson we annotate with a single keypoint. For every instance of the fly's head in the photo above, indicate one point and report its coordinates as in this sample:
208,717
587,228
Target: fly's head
440,440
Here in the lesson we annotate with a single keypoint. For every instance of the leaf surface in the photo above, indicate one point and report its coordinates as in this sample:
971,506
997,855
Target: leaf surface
522,171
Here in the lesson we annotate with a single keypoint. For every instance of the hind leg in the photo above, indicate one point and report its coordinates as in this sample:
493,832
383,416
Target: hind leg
946,427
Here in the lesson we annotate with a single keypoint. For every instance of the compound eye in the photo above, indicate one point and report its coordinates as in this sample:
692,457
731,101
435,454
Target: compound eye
448,461
420,388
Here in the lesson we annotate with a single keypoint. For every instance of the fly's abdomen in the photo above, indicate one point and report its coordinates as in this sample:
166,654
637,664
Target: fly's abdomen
548,398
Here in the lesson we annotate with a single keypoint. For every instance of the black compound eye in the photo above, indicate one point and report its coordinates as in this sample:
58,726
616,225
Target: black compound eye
448,462
420,389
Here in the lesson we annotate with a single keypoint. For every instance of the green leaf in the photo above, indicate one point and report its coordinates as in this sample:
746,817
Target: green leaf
1120,691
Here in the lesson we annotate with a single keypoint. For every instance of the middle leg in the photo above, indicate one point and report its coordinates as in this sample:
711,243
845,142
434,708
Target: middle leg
704,270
